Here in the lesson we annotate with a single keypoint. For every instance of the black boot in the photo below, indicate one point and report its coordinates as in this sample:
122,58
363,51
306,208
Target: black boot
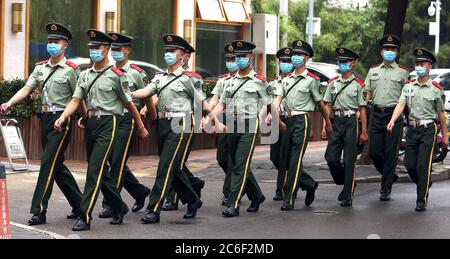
224,201
311,195
341,196
421,206
347,203
278,197
118,218
254,206
106,214
140,203
75,214
150,218
192,209
38,219
287,207
198,188
231,212
169,206
385,197
81,225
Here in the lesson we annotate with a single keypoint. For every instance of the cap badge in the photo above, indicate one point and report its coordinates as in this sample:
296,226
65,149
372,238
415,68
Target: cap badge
92,34
169,39
114,37
54,27
299,43
240,44
341,51
390,39
419,52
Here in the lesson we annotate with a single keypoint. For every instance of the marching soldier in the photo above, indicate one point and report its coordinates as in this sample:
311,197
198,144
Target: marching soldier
384,85
344,98
222,143
423,97
172,199
301,93
105,90
126,127
278,150
56,79
242,99
177,91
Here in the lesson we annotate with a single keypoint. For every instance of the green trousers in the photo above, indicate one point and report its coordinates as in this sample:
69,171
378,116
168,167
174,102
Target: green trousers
343,139
384,148
52,169
296,139
277,152
224,162
241,147
173,140
119,170
420,144
100,134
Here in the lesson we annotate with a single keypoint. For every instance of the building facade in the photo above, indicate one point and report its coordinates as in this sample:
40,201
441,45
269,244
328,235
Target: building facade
206,24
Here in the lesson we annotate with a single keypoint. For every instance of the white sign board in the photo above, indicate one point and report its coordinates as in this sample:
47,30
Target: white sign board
434,29
13,143
317,26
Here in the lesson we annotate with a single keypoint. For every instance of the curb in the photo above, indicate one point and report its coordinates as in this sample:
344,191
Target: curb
39,231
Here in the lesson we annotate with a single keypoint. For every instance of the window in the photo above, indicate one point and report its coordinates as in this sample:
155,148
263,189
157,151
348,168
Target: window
236,11
147,21
211,40
46,11
223,10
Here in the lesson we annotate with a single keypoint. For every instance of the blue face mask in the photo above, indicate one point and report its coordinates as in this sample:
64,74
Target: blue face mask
286,68
344,67
298,61
243,62
232,67
389,56
421,71
96,55
118,56
54,49
170,58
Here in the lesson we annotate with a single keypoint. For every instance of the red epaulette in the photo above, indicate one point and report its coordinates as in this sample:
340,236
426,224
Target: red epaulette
376,65
193,74
137,68
333,79
71,64
261,78
361,82
117,71
41,62
438,85
313,76
410,81
403,67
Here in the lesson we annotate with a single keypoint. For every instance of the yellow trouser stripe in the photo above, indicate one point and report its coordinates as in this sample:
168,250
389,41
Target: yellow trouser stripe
52,168
125,154
300,159
430,164
354,169
100,175
247,165
170,168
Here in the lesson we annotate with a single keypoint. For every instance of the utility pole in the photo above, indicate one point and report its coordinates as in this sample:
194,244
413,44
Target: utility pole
311,22
284,18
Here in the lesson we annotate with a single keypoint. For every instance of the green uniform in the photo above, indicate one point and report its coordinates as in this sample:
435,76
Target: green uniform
196,182
345,136
300,94
55,94
425,102
126,134
106,97
279,149
386,84
242,99
177,92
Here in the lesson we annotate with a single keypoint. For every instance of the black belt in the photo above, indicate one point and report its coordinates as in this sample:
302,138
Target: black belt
383,109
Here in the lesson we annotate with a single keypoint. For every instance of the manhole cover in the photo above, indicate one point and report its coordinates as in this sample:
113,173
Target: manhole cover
325,213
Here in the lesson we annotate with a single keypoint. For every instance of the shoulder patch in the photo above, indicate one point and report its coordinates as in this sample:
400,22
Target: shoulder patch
361,82
410,81
261,78
117,71
333,79
71,64
223,76
403,67
137,68
438,85
193,74
41,62
313,76
376,65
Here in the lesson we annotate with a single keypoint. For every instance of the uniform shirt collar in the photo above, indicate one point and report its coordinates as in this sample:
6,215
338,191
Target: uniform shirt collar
429,83
251,75
126,67
304,74
101,70
177,72
61,63
393,65
348,79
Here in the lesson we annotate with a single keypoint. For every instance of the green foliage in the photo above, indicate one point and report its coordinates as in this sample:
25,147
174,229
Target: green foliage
28,107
